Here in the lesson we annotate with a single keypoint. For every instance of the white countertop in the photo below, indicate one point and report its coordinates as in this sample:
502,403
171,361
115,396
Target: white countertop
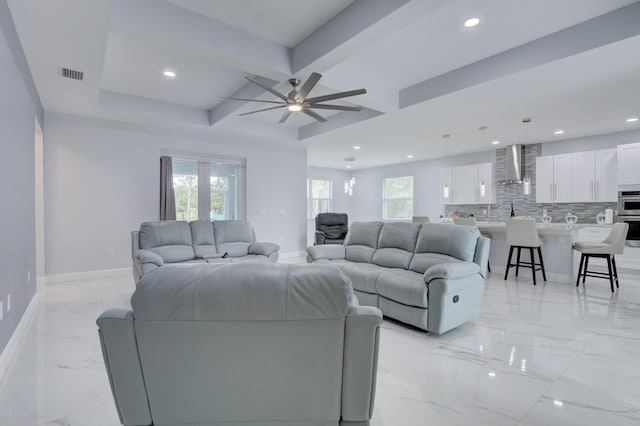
548,229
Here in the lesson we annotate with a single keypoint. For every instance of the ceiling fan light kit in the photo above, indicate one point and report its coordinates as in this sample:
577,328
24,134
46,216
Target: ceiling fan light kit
297,101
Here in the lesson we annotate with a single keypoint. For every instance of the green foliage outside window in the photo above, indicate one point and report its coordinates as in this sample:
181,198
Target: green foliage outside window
398,198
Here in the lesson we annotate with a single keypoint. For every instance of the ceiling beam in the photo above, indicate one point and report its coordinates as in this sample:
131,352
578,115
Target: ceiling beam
606,29
227,107
336,121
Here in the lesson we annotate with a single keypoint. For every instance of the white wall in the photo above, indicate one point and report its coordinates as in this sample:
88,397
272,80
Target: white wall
102,181
341,202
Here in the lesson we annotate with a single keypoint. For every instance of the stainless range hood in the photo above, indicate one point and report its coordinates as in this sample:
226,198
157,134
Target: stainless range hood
513,167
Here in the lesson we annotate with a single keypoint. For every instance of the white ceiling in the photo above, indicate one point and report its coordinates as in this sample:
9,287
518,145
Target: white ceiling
425,73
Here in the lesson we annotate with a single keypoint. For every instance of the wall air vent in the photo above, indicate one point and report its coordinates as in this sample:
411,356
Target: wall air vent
72,74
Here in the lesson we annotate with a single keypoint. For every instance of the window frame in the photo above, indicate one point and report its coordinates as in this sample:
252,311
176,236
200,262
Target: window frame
310,199
386,198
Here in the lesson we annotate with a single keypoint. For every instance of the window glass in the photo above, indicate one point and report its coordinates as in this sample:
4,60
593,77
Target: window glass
319,197
185,188
397,199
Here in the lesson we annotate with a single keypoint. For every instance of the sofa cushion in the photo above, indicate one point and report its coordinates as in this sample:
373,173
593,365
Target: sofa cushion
242,292
423,261
452,240
233,237
396,244
362,241
203,238
171,240
402,286
363,275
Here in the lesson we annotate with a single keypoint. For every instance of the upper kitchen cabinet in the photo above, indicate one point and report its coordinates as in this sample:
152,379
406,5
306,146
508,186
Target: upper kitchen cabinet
470,184
629,164
588,176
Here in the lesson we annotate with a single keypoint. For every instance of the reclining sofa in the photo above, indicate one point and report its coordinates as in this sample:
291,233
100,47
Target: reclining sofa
239,345
220,241
428,275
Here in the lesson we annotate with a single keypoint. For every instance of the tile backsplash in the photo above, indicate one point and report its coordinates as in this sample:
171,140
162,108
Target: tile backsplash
525,205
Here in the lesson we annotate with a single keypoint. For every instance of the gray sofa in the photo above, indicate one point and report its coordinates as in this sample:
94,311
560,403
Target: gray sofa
427,275
220,241
251,344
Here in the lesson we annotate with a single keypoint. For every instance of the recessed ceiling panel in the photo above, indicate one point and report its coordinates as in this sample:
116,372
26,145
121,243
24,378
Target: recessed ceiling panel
286,22
136,68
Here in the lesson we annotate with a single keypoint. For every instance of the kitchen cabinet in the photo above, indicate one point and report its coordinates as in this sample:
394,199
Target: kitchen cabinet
606,175
628,164
588,176
465,184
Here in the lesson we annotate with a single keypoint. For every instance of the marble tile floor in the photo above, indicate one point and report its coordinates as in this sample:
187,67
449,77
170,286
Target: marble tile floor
545,355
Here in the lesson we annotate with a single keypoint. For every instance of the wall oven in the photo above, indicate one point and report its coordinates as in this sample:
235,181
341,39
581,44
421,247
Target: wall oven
628,203
633,235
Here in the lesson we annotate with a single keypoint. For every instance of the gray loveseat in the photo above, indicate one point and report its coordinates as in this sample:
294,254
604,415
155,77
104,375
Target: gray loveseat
220,241
428,275
251,344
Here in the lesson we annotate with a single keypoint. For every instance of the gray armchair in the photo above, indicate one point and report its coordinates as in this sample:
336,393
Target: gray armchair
331,228
239,344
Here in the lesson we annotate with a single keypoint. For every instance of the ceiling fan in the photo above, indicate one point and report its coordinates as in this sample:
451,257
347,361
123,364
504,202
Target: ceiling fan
297,100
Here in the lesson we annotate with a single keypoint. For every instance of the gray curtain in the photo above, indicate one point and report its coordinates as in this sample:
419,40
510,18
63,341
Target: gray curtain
167,199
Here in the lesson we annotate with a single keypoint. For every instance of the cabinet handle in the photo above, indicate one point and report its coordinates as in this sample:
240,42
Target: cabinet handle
555,191
550,192
597,190
593,190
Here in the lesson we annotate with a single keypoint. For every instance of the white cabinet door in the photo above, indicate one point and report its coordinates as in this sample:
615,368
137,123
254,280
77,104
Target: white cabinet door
562,178
485,177
628,161
544,179
583,176
465,184
445,185
607,175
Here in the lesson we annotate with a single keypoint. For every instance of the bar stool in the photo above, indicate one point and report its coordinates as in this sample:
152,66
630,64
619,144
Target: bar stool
607,249
523,234
471,221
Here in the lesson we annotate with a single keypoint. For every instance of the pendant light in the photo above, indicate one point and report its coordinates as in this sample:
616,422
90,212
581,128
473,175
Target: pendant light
445,188
350,182
483,187
526,180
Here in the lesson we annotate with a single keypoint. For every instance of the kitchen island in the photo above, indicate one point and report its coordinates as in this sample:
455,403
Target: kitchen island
557,249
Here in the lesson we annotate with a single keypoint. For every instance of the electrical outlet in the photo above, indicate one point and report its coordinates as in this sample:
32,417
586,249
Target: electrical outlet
8,302
111,251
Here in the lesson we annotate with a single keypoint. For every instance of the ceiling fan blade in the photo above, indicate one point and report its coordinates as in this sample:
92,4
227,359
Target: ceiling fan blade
308,85
284,117
336,96
315,115
336,107
253,100
267,88
260,110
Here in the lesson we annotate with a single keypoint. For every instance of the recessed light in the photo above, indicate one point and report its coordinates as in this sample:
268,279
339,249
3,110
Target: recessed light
496,142
409,156
492,374
559,132
169,74
356,148
558,403
471,22
348,166
632,119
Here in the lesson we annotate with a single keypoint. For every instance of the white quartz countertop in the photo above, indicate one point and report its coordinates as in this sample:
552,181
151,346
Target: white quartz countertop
548,229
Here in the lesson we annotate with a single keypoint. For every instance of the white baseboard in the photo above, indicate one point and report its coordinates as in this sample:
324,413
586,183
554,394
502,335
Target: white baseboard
89,275
14,343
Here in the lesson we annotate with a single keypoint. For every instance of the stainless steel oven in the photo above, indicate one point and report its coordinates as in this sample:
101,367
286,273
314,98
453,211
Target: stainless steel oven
633,235
628,203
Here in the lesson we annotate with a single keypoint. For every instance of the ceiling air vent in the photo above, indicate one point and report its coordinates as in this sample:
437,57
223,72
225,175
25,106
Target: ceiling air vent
72,74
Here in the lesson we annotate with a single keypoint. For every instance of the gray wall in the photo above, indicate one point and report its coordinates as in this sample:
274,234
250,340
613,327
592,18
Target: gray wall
19,105
102,181
341,202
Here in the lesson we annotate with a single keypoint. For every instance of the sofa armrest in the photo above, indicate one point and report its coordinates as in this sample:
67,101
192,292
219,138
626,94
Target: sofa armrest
147,256
361,341
120,353
451,270
326,251
320,237
263,248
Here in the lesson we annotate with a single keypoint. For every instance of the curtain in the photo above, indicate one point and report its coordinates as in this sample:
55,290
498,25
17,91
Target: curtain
167,199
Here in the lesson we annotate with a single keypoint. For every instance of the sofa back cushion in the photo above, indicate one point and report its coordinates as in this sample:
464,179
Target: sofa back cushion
203,238
233,237
396,244
458,242
362,241
170,239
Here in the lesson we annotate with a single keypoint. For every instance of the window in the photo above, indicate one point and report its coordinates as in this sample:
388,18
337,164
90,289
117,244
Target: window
397,198
208,189
319,194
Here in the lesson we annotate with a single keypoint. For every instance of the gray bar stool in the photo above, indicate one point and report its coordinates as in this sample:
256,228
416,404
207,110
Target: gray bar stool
607,249
523,234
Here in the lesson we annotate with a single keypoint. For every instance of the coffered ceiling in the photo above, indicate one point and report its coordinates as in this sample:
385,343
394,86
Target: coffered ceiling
570,64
